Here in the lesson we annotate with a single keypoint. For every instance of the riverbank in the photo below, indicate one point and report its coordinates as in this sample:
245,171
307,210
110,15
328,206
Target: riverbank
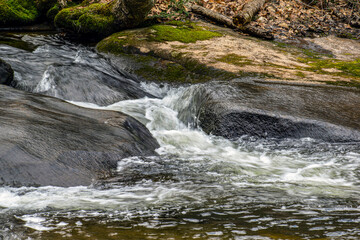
226,54
282,19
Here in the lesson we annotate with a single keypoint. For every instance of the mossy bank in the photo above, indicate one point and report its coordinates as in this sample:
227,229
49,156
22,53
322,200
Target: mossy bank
198,52
140,49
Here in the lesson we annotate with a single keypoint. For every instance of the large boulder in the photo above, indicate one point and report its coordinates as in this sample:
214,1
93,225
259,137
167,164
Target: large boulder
152,53
17,12
279,111
46,141
23,12
103,18
6,73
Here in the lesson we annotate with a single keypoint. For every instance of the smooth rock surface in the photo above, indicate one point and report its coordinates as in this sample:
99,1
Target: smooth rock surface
46,141
279,111
68,71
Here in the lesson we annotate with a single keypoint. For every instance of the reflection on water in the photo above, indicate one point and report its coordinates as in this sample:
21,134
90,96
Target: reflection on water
199,187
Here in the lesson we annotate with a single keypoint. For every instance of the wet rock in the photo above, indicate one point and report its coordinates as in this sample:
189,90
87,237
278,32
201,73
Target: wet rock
156,53
46,141
6,73
280,111
70,73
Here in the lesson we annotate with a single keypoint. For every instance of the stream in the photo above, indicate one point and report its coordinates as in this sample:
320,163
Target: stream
199,186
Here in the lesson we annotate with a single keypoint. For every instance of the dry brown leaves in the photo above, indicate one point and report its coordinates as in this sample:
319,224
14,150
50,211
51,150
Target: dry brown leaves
285,18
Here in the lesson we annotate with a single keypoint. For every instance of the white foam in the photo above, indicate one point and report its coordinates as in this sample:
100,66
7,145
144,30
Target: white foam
47,82
36,223
228,162
161,117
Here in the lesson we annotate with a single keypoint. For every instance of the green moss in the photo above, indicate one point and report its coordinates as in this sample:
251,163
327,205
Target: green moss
304,53
186,33
17,43
347,68
115,43
17,12
347,35
95,19
125,41
300,74
168,66
282,45
351,83
188,72
312,54
235,60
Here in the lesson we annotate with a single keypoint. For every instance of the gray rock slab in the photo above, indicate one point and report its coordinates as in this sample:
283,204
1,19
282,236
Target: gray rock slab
46,141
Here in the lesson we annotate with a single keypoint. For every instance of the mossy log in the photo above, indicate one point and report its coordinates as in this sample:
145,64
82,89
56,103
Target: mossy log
219,18
211,15
248,12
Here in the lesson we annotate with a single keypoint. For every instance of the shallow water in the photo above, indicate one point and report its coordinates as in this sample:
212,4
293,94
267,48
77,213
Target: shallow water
199,187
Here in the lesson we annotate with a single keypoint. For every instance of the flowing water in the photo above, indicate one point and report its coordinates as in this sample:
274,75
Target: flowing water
198,187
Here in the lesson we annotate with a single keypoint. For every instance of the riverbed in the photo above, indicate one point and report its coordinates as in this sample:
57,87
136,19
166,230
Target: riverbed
199,186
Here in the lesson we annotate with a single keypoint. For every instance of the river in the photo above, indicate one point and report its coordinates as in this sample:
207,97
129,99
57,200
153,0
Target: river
199,186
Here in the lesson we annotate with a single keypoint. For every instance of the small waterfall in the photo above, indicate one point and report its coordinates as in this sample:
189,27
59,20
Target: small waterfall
47,83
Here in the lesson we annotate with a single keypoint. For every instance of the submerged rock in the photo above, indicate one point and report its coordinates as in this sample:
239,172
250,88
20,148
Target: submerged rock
279,111
6,73
46,141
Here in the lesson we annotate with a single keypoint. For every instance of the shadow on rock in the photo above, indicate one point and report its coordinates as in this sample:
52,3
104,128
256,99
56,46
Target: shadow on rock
46,141
279,111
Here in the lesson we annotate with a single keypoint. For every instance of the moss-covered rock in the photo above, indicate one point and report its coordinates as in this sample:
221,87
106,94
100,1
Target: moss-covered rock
18,12
101,19
126,41
139,48
95,19
197,52
182,32
344,68
23,12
